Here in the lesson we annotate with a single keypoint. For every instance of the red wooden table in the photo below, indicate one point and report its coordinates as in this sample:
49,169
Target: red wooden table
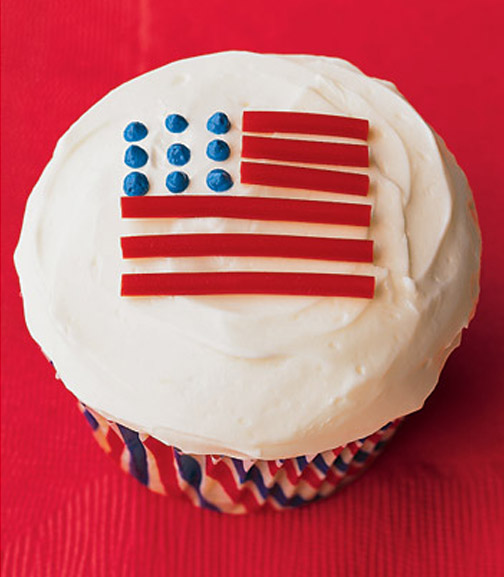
434,502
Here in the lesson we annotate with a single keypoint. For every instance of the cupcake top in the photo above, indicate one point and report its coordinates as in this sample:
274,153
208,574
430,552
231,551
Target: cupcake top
251,255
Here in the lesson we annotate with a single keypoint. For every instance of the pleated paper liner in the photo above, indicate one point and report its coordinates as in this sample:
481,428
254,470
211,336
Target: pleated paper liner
232,485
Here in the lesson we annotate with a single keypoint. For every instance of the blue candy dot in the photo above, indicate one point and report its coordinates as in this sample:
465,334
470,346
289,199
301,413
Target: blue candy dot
218,150
135,131
218,123
176,123
135,184
219,180
177,181
135,156
178,154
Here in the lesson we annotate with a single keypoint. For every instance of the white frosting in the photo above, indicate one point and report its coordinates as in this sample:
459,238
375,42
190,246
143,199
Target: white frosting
264,376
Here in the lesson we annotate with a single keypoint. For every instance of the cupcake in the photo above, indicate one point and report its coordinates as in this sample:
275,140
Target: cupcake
248,269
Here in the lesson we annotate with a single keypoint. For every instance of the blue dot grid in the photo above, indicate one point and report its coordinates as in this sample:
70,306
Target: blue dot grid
178,154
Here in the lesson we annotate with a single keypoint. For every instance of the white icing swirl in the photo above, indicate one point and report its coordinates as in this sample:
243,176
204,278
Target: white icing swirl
259,377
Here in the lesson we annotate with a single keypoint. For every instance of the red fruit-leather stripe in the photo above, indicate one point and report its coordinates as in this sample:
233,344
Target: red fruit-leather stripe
305,151
246,207
270,121
301,284
286,176
247,245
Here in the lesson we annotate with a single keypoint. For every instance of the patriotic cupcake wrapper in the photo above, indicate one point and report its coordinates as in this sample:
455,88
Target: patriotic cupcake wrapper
230,485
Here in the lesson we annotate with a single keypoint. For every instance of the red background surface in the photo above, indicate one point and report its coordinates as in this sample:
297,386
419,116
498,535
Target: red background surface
434,503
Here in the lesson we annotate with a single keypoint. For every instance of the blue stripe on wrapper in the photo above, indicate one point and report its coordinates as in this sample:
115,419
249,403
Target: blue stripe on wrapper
302,462
279,496
90,419
240,469
321,465
190,471
379,446
341,465
138,462
361,456
255,476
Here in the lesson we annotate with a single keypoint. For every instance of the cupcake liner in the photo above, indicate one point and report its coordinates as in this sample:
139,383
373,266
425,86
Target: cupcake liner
230,485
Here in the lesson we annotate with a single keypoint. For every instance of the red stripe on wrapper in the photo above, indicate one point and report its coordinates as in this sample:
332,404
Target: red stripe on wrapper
116,443
286,176
273,283
305,151
165,463
304,123
239,493
310,476
273,467
290,471
249,208
247,245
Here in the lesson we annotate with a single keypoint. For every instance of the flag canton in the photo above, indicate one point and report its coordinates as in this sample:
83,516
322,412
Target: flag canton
178,156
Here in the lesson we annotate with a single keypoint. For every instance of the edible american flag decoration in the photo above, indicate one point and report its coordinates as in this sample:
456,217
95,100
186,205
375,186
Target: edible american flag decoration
270,157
